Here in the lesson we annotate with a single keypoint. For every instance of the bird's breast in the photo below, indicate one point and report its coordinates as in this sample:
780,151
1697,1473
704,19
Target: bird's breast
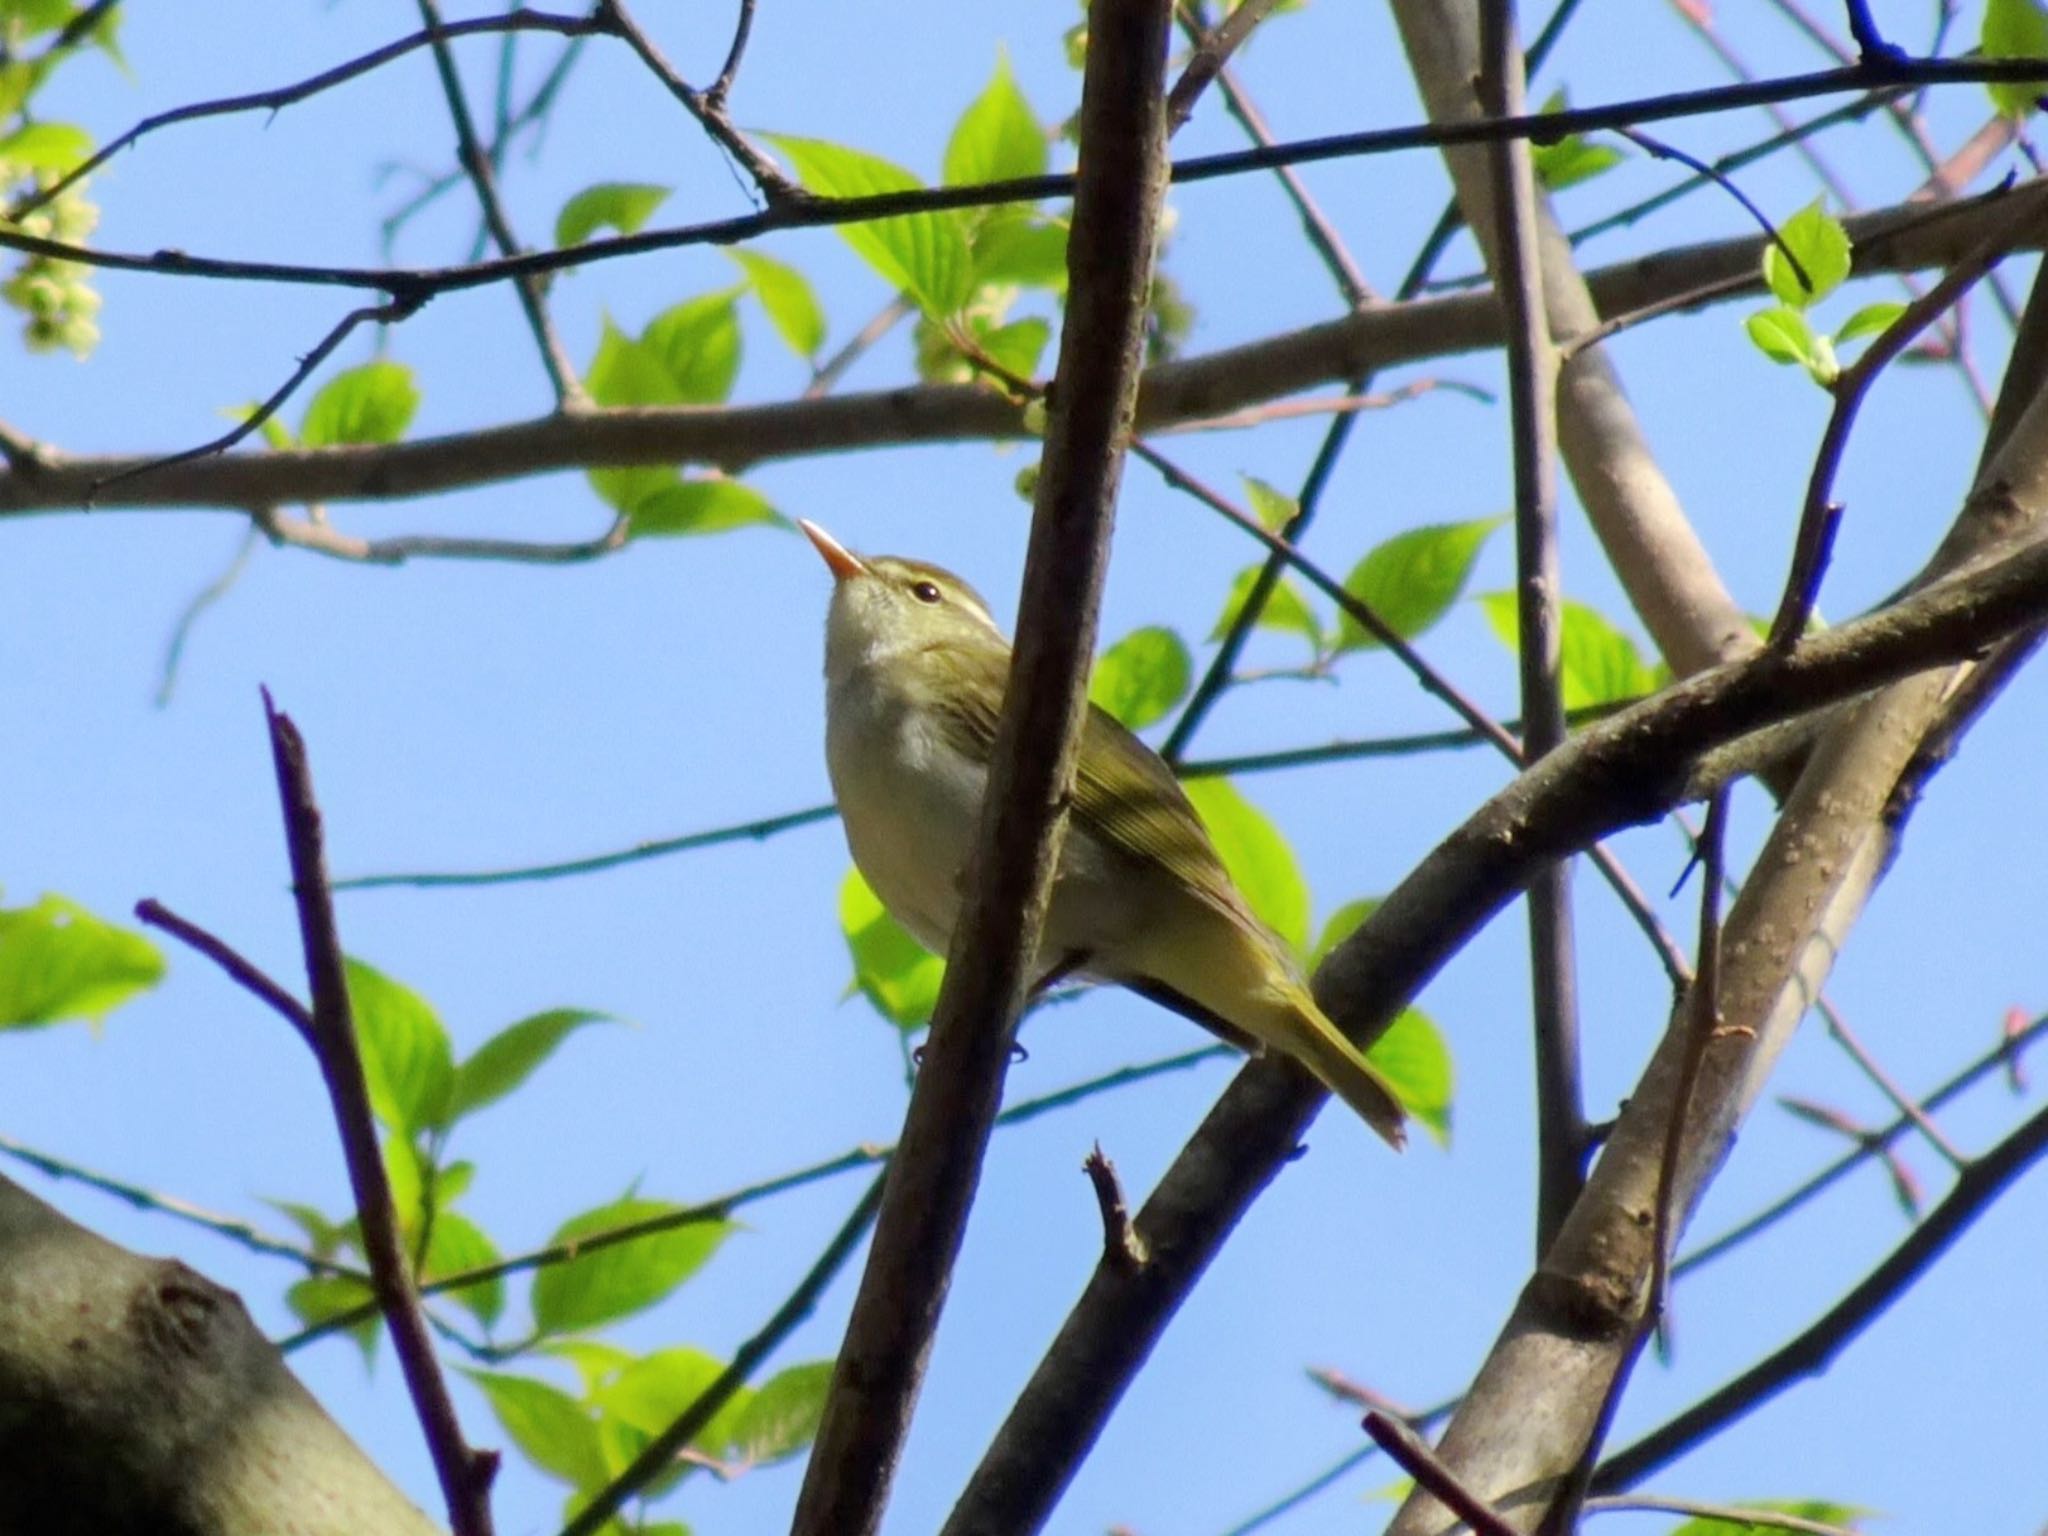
910,801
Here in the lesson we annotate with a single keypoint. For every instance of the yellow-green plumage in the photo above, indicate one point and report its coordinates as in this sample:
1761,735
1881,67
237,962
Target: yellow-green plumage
915,673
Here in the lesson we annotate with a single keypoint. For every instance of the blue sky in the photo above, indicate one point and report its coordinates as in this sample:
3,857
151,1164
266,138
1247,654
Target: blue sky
469,715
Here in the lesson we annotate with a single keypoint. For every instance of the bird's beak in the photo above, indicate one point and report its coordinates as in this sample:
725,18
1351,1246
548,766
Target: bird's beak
843,561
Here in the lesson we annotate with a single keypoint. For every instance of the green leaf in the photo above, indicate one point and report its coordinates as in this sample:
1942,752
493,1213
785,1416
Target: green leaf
1783,336
406,1055
1285,609
557,1433
1572,159
628,372
2015,29
781,1417
890,968
1257,856
1824,1511
511,1056
1275,509
407,1179
1142,676
1822,246
1341,925
924,254
1015,347
596,1361
1018,245
317,1298
52,147
1412,579
1598,664
370,404
787,299
652,1392
699,504
997,138
324,1235
1870,320
457,1244
1413,1058
698,342
621,205
624,1278
58,961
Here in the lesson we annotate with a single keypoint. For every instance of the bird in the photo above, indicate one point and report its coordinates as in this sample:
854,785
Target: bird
915,669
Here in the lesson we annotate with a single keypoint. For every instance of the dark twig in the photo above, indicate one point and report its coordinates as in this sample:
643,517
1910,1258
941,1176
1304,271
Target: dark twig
1840,1032
662,1451
324,538
1321,234
1834,1330
233,1228
834,367
1726,183
1539,617
746,831
807,212
241,970
742,28
277,99
953,1103
1875,1143
476,162
1213,48
1870,43
1820,518
380,314
465,1474
708,107
203,599
1120,1245
1419,1462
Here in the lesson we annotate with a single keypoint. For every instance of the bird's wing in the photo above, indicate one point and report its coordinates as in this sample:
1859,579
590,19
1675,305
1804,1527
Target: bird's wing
1124,794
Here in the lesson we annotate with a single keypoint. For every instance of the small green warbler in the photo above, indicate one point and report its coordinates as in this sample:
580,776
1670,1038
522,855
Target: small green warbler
915,670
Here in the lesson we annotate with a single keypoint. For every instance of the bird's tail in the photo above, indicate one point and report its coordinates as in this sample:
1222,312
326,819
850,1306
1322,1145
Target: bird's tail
1311,1039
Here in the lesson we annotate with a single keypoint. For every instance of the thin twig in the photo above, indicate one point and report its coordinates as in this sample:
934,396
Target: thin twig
380,314
809,212
1726,183
1120,1244
241,970
233,1228
708,107
324,538
1818,1344
742,28
280,97
661,1452
1845,1037
1213,48
1821,516
203,599
1539,618
1419,1462
1316,226
471,155
834,367
465,1475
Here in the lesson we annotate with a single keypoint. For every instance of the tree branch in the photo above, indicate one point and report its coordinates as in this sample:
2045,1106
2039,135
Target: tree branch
953,1104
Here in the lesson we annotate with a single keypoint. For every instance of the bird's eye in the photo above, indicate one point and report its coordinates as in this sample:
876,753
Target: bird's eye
926,591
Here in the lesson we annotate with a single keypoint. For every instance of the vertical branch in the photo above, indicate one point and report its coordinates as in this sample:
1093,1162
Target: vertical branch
476,161
932,1179
1532,398
465,1475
